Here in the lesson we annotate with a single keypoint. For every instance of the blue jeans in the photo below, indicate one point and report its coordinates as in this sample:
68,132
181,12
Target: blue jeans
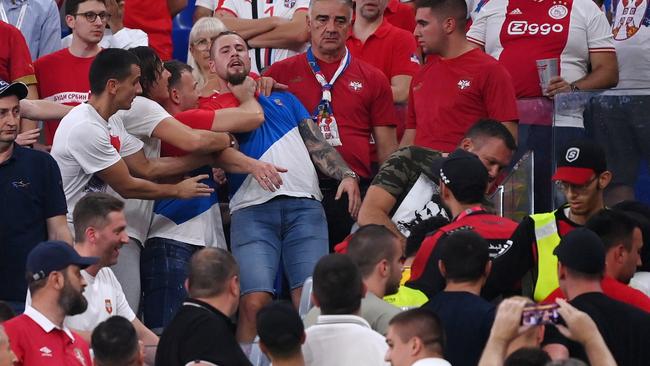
288,229
164,266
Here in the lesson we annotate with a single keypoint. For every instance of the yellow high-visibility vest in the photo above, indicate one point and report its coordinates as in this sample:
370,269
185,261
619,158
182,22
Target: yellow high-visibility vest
547,238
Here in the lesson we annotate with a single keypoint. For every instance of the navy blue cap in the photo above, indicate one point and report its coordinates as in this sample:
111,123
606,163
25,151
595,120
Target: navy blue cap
53,255
18,89
582,250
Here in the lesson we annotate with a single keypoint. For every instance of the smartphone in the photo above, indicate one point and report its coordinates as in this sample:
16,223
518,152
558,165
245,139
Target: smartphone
540,315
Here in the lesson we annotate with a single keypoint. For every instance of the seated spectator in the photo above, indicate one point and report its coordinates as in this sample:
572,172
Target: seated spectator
416,338
116,35
281,334
463,181
579,327
202,330
622,238
527,357
201,36
378,254
340,336
39,336
625,329
115,343
406,190
38,21
34,206
100,231
7,357
467,318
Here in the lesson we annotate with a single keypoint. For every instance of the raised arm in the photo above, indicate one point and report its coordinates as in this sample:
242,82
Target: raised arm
291,35
247,28
153,169
173,132
43,109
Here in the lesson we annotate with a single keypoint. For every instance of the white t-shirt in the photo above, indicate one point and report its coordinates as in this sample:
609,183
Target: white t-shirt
343,340
631,30
140,121
125,38
85,144
264,57
105,299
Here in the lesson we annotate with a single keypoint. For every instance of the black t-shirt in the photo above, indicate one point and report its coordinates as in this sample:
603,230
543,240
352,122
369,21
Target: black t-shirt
625,329
200,332
467,320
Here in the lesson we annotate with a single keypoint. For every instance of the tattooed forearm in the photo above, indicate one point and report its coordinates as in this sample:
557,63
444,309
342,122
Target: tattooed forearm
324,156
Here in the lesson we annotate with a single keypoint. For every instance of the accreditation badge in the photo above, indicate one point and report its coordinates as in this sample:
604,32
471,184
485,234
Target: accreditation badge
329,129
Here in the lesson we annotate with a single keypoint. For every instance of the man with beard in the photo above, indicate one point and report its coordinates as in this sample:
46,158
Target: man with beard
582,176
39,337
289,220
378,253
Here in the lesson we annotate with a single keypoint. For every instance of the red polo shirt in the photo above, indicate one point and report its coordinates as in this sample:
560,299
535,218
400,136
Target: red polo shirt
15,59
153,18
390,49
400,15
361,100
448,96
615,290
35,340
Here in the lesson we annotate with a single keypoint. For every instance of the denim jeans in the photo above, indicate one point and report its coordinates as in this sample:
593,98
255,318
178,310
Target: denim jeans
164,266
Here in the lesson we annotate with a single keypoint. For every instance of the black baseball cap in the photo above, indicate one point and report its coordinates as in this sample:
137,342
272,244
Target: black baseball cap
464,174
279,327
579,161
582,250
18,89
53,255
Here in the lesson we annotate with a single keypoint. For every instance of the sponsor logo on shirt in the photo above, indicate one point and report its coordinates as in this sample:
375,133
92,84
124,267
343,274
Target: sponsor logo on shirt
68,97
108,306
520,27
558,11
79,356
356,85
46,352
462,85
20,184
515,12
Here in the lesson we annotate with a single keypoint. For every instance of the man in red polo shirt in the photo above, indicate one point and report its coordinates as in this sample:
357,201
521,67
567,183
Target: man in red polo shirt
39,337
400,15
450,94
623,241
349,99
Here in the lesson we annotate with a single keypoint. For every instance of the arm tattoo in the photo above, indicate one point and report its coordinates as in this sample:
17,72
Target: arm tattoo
324,156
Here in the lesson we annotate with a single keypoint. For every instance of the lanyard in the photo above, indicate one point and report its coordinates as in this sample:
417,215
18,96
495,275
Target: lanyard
326,86
468,211
21,16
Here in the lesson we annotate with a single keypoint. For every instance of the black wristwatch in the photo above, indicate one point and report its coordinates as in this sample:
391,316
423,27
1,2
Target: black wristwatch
350,174
574,87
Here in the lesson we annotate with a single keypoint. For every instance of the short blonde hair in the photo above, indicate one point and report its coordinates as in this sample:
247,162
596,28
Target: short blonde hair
207,25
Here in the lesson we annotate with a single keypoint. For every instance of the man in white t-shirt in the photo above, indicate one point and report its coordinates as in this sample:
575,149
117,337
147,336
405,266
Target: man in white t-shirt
100,231
274,29
94,151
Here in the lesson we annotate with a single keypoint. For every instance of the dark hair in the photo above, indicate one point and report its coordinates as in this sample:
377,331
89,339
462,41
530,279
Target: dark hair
456,9
613,227
491,128
176,69
93,210
110,63
641,213
465,255
527,356
338,286
422,323
114,342
6,312
72,6
151,67
370,245
226,33
280,330
210,271
420,231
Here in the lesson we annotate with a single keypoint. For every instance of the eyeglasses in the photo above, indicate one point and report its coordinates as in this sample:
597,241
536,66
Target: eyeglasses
203,43
577,189
92,16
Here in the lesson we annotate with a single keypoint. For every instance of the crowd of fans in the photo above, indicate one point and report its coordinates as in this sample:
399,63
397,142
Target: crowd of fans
311,187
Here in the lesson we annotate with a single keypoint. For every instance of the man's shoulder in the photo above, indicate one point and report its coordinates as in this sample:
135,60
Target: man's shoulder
34,155
286,65
363,68
56,56
21,324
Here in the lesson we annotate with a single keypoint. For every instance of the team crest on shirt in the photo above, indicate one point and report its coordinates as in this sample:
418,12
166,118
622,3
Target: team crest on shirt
79,356
356,85
289,3
46,352
464,84
278,102
558,11
108,306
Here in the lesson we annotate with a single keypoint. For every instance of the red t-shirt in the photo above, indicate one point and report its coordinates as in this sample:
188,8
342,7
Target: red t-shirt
447,97
153,18
361,100
15,59
198,119
62,78
400,15
33,346
615,290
